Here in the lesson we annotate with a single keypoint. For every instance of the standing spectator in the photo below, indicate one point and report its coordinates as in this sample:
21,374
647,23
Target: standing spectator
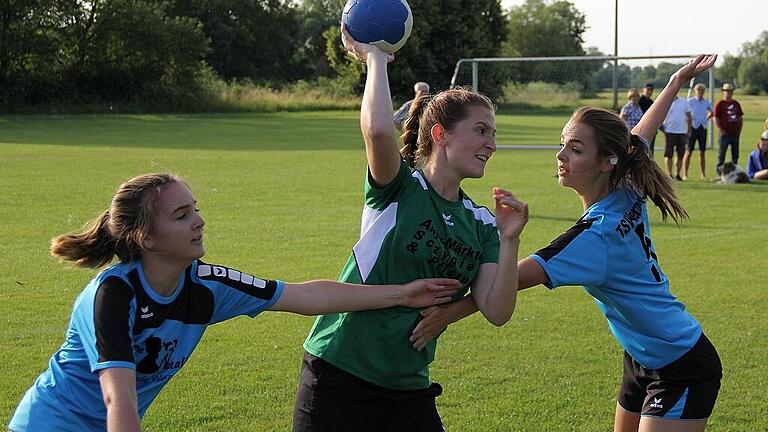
729,119
645,102
757,165
420,89
701,112
631,112
677,128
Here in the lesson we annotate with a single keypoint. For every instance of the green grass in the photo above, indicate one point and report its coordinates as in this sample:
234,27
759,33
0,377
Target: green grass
282,195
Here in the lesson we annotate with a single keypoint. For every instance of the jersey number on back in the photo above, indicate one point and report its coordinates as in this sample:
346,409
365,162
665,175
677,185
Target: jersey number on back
649,254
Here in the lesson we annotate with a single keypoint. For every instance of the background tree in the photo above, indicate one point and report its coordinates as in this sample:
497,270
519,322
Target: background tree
317,16
29,41
440,37
540,28
249,39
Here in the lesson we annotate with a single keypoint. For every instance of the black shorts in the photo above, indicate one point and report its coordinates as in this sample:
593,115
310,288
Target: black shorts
684,389
674,143
698,134
332,400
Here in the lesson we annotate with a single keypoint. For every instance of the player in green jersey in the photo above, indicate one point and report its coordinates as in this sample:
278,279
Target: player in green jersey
361,372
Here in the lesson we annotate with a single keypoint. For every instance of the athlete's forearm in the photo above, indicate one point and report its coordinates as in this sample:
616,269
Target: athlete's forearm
461,309
376,122
500,300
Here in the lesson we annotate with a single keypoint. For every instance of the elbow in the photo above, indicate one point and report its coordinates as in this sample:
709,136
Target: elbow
375,134
500,318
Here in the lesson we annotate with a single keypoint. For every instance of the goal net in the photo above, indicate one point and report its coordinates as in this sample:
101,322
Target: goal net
540,93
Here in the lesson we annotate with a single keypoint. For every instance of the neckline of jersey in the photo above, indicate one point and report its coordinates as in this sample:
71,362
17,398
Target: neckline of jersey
153,294
454,204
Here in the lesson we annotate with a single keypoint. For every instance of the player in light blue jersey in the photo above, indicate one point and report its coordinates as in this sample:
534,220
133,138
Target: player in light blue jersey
136,323
671,371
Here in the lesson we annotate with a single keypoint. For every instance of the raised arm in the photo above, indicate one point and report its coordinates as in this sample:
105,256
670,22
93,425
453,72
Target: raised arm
376,111
654,117
325,296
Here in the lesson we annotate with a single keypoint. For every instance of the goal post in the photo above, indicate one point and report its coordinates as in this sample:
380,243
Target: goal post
538,86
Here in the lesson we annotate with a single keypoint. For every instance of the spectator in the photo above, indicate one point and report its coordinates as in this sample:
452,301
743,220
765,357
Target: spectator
631,112
728,119
701,112
757,165
420,89
677,128
645,102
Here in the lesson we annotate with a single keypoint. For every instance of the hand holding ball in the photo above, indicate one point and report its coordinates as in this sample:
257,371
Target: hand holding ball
383,23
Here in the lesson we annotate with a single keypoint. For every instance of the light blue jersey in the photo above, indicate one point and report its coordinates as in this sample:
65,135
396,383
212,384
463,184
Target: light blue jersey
118,321
609,252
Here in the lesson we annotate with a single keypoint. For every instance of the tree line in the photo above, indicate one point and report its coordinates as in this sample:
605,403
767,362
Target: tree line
177,54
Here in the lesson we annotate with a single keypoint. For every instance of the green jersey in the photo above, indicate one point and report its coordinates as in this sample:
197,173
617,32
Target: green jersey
407,232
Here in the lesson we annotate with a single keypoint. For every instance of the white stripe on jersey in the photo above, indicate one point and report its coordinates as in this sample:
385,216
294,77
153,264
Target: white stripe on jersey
374,227
481,213
417,176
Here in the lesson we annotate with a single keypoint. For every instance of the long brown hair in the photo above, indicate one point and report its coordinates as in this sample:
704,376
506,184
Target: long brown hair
121,230
446,108
635,168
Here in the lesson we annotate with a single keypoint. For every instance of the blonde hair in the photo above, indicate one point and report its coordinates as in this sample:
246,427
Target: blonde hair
632,92
120,230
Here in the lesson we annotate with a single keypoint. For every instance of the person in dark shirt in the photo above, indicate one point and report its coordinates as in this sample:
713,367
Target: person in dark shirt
645,102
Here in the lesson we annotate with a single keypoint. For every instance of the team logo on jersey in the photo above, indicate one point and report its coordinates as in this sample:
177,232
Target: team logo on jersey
159,357
206,271
145,313
447,219
657,403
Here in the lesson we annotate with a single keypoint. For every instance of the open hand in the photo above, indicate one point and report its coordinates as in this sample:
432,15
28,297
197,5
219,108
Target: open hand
428,292
434,321
361,50
511,213
694,67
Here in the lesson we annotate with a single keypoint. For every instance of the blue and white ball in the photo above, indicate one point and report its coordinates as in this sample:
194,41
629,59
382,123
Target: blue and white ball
384,23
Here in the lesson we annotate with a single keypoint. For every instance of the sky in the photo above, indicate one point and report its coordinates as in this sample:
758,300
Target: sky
722,26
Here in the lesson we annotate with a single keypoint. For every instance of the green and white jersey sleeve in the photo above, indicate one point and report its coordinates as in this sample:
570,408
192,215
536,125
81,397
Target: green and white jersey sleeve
407,232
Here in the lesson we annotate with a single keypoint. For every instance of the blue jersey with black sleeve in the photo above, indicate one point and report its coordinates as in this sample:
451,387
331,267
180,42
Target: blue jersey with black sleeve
118,321
609,252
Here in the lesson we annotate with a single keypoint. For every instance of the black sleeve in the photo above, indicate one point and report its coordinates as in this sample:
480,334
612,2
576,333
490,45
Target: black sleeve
111,316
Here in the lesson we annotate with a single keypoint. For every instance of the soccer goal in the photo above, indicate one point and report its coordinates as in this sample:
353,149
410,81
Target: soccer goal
542,92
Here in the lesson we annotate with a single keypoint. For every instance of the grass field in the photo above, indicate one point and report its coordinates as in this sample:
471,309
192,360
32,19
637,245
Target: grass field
282,195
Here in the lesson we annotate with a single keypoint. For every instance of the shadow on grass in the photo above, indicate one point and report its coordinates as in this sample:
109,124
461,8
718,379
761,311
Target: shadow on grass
284,131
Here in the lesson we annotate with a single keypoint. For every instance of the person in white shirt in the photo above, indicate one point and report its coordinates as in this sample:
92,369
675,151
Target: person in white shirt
701,112
677,128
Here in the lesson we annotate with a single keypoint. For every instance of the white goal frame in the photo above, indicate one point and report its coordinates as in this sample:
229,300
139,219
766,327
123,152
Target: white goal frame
474,62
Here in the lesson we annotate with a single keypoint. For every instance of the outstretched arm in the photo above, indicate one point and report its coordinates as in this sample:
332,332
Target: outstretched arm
326,296
376,111
655,115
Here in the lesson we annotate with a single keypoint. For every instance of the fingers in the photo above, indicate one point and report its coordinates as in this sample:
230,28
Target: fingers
438,284
444,300
422,334
519,207
426,312
505,198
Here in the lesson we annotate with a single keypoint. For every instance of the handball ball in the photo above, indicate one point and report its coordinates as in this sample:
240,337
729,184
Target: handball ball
383,23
